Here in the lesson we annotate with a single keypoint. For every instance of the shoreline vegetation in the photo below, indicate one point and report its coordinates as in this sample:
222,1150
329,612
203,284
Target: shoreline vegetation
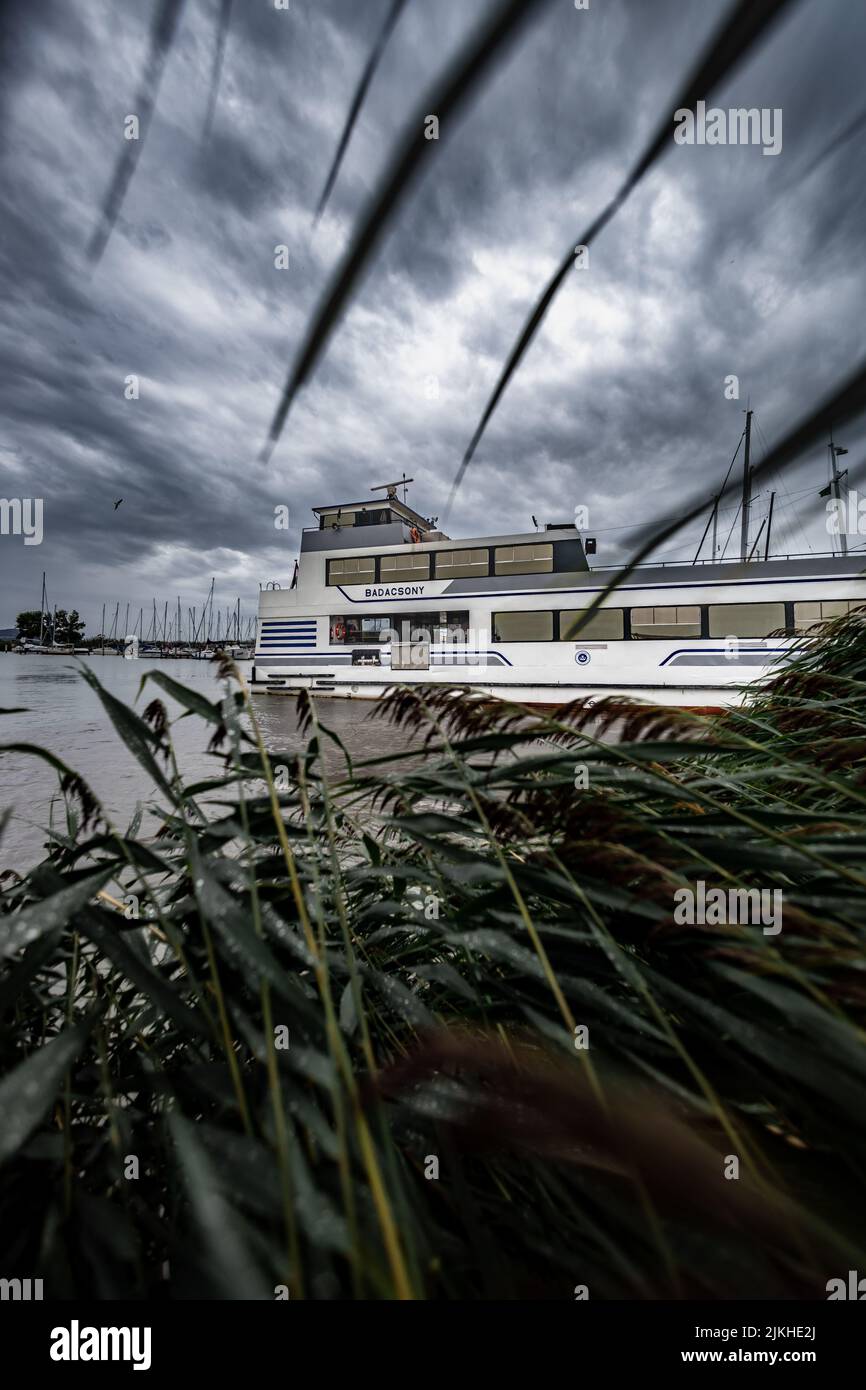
431,1029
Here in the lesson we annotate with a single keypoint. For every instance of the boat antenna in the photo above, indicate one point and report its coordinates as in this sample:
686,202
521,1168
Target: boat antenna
391,488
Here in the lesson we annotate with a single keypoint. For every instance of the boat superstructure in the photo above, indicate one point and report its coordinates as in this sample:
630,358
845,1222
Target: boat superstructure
382,598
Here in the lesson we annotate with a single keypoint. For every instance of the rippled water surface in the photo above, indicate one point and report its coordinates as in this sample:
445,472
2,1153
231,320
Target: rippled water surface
60,712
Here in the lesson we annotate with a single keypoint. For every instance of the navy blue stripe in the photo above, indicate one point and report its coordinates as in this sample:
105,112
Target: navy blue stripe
479,596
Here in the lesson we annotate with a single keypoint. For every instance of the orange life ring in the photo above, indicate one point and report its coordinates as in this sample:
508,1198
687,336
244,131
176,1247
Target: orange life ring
415,535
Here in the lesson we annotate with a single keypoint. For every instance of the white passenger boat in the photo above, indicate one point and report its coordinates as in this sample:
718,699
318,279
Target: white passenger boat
381,598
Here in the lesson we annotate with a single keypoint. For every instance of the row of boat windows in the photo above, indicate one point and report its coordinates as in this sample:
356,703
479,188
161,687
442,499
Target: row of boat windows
717,620
442,564
690,620
373,516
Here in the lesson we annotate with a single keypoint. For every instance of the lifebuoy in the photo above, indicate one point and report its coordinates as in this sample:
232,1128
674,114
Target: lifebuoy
339,632
415,535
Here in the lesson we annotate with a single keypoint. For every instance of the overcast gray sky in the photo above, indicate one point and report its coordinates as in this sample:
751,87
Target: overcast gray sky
724,261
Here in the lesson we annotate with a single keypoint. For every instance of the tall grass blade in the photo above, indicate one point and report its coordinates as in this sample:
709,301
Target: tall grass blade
162,34
29,1091
461,83
357,101
747,22
223,22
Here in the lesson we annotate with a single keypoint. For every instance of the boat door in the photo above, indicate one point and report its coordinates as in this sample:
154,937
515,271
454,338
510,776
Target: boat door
411,655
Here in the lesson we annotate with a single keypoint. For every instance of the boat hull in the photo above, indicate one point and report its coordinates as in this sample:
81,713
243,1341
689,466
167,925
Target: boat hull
702,699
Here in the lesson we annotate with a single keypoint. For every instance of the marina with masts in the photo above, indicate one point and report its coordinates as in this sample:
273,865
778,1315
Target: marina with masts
165,631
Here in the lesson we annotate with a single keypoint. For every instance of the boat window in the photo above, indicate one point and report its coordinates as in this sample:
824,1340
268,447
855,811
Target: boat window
353,630
451,627
461,564
357,569
667,621
431,627
607,624
746,619
404,566
523,559
522,627
356,629
809,613
410,627
372,516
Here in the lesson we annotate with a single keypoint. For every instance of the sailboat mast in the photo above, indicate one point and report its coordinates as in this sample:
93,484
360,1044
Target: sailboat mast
769,526
747,490
835,484
710,520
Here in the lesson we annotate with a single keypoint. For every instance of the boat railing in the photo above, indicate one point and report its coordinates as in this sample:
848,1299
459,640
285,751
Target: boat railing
678,564
730,560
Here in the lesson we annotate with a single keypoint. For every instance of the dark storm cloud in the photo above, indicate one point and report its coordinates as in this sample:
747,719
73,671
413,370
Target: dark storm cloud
723,262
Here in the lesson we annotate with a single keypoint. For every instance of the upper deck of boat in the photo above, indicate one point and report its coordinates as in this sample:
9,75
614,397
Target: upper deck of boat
386,526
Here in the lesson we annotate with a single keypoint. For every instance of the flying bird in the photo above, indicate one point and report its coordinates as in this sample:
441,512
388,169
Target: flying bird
117,503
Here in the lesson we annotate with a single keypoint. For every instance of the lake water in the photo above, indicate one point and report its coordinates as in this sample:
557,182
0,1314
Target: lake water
62,714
